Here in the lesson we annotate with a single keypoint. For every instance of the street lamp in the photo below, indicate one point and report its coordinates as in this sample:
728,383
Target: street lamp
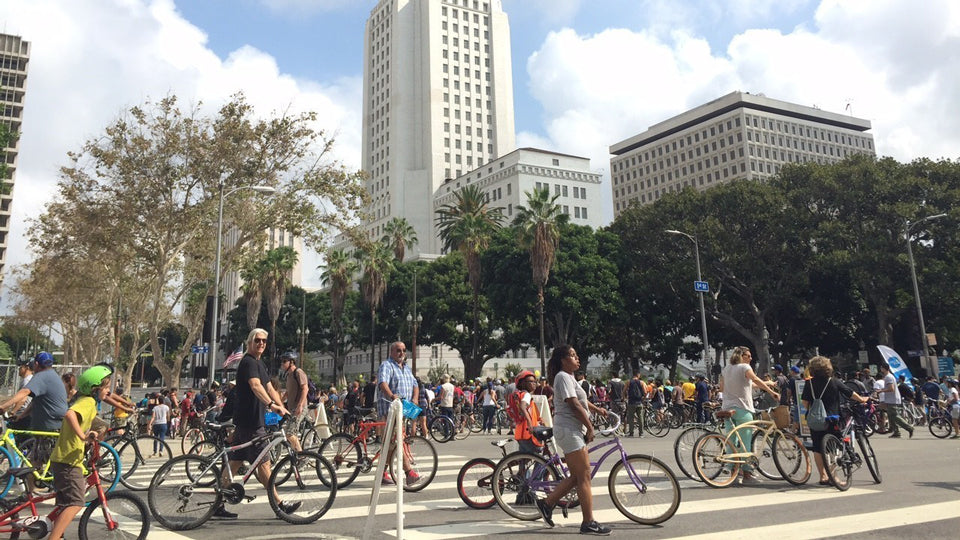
415,322
703,311
303,335
216,272
924,344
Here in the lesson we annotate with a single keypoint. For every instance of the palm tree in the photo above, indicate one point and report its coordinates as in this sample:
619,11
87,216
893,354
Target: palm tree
338,273
467,225
250,273
276,267
399,235
538,229
376,262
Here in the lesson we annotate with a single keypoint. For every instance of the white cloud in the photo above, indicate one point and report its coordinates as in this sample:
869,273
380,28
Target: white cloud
302,7
91,59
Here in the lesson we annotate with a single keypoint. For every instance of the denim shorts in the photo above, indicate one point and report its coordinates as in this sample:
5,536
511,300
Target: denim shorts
568,440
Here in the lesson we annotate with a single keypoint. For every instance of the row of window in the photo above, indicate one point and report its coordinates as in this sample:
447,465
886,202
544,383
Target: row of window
561,190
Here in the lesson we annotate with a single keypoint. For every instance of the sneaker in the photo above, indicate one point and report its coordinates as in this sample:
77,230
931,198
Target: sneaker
289,507
387,481
911,433
412,477
223,513
546,512
749,480
955,436
594,528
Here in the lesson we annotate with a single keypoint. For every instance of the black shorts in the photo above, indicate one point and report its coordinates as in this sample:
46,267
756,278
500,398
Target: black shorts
246,434
69,483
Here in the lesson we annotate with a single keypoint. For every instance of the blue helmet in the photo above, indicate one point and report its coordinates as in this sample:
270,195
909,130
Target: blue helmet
43,359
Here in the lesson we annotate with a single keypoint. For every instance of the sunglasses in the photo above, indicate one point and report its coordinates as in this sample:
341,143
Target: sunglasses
401,350
259,340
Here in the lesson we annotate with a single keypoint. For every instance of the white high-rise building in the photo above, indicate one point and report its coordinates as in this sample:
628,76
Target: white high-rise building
14,56
437,103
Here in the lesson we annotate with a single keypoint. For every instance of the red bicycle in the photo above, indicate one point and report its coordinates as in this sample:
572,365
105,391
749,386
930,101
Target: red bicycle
118,514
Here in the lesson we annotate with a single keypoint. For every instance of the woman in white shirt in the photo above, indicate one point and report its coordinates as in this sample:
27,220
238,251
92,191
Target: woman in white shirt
159,421
735,383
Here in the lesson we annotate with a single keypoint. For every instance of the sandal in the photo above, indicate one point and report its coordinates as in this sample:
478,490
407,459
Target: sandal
825,483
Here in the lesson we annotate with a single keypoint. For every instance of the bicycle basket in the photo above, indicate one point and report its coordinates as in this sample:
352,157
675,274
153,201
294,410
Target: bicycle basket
781,416
410,410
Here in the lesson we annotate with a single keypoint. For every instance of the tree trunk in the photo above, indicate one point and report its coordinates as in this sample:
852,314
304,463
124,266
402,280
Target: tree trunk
543,345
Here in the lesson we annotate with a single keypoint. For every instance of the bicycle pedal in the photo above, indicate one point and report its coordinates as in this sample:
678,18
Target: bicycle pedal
563,510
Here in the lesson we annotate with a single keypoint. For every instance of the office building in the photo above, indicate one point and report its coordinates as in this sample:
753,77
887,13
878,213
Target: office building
437,103
739,135
14,57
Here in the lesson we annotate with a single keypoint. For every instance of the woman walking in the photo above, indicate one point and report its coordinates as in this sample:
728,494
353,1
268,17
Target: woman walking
735,381
572,431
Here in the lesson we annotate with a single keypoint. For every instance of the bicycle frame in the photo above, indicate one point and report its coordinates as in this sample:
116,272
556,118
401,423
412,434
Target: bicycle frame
555,460
767,427
9,441
222,457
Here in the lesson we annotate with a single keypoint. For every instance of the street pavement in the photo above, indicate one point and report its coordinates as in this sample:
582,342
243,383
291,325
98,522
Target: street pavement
919,498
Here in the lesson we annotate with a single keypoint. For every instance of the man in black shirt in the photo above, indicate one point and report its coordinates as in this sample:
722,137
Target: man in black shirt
369,393
255,394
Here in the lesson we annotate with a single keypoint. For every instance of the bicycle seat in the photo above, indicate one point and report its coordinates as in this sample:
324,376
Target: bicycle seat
501,443
19,472
724,414
220,427
542,433
363,411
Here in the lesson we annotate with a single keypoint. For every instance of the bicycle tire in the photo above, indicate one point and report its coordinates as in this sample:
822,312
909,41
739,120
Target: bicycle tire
836,464
179,503
866,451
126,509
6,462
109,468
706,460
658,499
310,439
476,426
206,448
791,458
683,450
311,481
461,431
190,438
655,427
423,460
344,455
880,422
523,478
441,429
765,463
940,427
474,483
138,476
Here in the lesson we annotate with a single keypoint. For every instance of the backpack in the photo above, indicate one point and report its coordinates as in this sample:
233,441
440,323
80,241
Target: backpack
513,407
817,415
313,393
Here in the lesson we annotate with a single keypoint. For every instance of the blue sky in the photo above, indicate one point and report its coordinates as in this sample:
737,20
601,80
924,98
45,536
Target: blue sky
587,73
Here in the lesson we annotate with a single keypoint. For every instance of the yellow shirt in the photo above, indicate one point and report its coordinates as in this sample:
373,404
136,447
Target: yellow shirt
688,390
70,445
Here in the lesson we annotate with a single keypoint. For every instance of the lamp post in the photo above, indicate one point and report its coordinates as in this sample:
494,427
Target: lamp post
303,335
703,311
415,319
924,344
216,272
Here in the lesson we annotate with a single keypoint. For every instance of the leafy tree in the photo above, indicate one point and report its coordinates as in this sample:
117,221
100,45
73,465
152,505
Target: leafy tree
275,269
538,230
250,273
376,262
399,235
337,275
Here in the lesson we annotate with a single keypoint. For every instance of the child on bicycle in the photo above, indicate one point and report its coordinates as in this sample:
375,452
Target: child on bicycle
67,456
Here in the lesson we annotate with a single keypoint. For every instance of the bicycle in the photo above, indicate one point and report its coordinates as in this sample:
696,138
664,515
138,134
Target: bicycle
185,491
474,479
351,455
642,487
133,451
121,514
938,420
840,457
715,453
685,442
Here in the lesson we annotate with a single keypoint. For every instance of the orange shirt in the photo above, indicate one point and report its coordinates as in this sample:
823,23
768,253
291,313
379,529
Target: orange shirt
522,431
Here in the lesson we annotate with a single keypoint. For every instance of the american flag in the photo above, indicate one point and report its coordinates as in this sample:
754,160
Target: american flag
234,358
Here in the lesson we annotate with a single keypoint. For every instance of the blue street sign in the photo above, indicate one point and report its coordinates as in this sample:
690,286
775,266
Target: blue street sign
701,286
199,349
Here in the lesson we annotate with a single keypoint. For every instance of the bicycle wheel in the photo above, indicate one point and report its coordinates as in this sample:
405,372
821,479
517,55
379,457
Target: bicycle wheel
308,492
310,439
140,459
190,438
476,426
645,489
179,503
207,449
344,455
423,460
461,431
683,450
791,458
940,427
866,450
441,429
762,448
654,426
122,516
880,422
474,483
707,455
6,462
109,468
836,463
519,480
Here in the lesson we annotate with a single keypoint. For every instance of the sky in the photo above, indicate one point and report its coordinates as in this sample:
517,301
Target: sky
586,74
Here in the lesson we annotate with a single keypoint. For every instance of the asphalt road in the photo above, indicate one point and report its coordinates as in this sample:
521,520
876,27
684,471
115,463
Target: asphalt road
919,498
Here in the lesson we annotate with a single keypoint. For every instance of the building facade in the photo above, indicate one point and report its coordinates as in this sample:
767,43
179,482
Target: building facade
506,181
437,102
739,135
14,57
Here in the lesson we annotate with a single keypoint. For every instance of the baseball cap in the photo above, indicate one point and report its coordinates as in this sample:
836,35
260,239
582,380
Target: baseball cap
778,367
795,369
43,359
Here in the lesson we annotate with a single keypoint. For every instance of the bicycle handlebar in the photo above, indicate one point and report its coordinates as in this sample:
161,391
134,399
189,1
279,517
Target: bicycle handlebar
611,428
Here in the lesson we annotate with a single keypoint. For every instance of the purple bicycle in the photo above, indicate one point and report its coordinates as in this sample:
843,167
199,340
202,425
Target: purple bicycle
642,487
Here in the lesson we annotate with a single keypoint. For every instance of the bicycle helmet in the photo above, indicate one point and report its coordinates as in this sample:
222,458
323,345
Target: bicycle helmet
43,359
289,355
523,375
92,378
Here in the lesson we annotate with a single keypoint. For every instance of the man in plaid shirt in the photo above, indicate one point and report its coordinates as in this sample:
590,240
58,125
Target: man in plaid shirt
396,380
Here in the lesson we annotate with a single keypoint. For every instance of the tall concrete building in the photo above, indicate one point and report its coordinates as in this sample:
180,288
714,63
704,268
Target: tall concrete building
14,57
437,103
739,135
